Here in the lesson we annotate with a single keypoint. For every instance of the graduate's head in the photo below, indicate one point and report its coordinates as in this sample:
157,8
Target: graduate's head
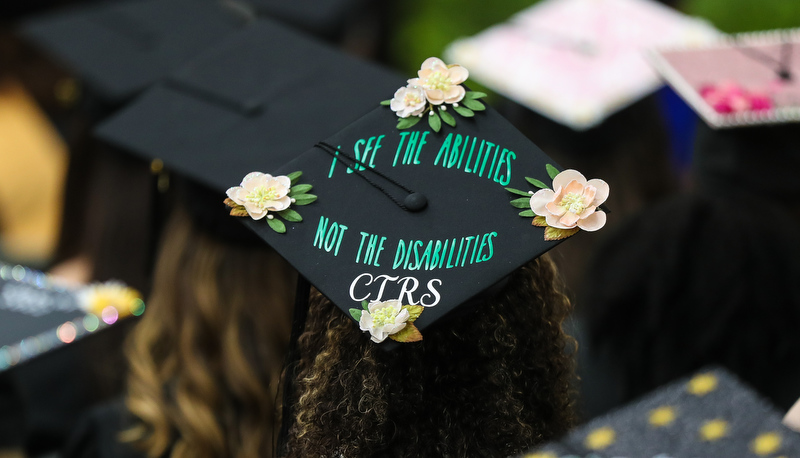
419,226
206,358
490,380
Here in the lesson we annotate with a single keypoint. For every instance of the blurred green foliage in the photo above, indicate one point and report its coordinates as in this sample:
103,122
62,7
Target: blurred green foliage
424,28
733,16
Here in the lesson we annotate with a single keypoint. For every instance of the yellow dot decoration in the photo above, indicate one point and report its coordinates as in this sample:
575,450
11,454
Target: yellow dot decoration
766,443
662,416
541,455
600,438
702,384
713,430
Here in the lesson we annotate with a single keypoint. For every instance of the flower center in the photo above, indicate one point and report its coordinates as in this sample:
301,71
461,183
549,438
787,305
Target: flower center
262,194
438,80
411,99
573,203
384,316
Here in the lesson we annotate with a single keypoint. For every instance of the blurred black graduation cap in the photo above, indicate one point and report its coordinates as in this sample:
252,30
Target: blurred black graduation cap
38,315
708,414
120,48
421,215
321,17
31,306
254,101
53,342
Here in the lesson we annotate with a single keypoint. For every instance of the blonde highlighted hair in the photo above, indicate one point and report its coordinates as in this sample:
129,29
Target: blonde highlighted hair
205,360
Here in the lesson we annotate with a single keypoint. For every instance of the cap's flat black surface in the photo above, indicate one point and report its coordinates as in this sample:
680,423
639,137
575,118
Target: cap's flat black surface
726,418
355,244
251,103
119,48
27,310
319,16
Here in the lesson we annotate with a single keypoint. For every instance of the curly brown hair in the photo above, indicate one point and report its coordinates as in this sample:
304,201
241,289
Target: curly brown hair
491,381
206,358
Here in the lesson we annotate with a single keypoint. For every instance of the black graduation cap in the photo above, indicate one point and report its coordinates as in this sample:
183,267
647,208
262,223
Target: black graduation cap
52,340
709,414
322,17
422,218
120,48
254,101
38,315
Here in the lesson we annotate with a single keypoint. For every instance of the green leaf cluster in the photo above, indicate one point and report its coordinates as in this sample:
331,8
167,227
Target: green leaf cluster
356,313
405,123
298,192
438,115
524,202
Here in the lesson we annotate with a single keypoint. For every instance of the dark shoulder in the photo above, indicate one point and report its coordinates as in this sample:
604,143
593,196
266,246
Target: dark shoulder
96,435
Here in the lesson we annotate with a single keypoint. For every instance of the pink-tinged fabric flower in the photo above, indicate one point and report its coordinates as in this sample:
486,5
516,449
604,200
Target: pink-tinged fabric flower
441,83
729,97
383,319
408,101
261,193
574,202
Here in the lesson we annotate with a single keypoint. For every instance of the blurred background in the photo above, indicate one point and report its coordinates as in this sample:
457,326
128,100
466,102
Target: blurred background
682,276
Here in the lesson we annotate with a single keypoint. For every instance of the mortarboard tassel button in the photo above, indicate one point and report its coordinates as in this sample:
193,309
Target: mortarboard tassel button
415,202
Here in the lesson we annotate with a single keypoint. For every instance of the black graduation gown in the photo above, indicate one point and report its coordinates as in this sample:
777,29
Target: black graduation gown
97,434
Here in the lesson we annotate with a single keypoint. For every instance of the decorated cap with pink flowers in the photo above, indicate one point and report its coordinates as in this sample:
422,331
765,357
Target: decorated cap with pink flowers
409,224
739,80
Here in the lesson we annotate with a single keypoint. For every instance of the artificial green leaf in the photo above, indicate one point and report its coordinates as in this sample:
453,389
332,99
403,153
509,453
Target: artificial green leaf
294,176
304,199
518,192
365,305
356,314
464,111
386,102
552,171
473,105
448,118
527,213
471,95
410,333
405,123
539,221
554,233
536,183
522,202
414,311
299,189
435,121
277,225
290,215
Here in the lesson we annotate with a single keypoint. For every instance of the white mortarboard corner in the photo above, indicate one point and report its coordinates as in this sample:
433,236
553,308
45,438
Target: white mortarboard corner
577,61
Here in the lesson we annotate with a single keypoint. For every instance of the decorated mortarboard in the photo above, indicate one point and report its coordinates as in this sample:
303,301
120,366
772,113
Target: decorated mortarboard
38,315
577,61
710,414
256,100
119,48
417,207
739,80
